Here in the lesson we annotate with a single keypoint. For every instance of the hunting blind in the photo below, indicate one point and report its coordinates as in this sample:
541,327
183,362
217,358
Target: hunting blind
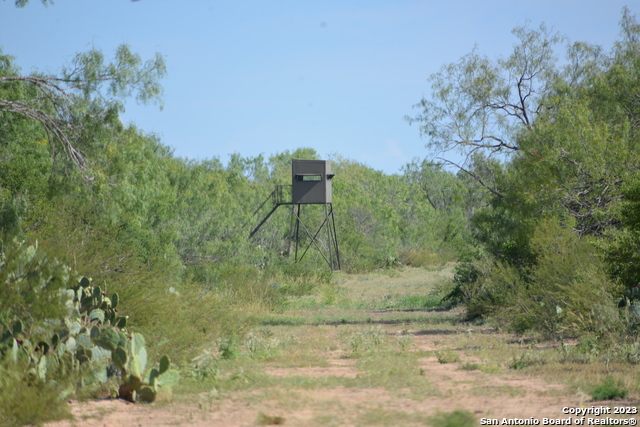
311,181
310,185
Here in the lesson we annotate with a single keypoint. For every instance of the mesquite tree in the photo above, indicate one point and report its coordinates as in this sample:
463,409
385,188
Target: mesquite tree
90,89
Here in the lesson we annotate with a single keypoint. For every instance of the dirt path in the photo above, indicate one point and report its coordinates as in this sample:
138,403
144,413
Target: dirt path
340,388
486,395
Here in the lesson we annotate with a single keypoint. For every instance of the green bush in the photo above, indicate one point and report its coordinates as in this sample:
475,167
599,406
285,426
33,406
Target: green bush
608,389
31,293
569,293
472,288
565,292
466,274
31,285
27,400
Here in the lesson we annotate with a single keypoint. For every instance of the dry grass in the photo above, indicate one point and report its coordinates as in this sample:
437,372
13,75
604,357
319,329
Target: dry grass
322,361
376,286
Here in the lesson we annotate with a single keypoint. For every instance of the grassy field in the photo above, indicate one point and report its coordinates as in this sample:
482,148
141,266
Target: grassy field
382,349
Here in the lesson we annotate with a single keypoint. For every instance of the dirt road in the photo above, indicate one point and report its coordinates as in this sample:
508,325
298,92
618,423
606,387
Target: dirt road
350,365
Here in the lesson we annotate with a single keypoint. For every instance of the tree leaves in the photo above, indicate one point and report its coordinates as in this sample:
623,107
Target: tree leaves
86,91
480,104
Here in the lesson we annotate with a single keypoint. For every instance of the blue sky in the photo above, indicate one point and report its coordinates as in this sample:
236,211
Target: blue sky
260,77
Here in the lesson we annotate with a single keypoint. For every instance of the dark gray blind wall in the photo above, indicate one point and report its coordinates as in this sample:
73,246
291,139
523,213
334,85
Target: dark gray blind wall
306,187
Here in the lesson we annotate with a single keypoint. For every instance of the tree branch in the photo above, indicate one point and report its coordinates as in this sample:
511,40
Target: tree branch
474,176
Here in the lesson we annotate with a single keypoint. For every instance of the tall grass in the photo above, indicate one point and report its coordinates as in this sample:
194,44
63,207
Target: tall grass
25,400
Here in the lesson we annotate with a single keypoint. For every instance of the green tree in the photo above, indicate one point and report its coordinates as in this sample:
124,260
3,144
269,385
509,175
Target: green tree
480,104
89,89
623,244
568,166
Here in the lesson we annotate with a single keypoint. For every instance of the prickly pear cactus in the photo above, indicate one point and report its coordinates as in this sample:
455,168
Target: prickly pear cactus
631,301
92,336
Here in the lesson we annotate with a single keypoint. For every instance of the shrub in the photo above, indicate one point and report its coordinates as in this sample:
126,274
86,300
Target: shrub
570,292
421,257
565,292
31,285
608,389
31,291
27,400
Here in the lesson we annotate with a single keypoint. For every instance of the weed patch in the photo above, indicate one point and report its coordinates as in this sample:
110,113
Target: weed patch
229,348
367,341
457,418
395,371
608,389
27,401
380,416
447,356
470,366
269,420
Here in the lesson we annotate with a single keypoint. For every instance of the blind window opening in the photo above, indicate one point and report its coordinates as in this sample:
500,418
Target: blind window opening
309,178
